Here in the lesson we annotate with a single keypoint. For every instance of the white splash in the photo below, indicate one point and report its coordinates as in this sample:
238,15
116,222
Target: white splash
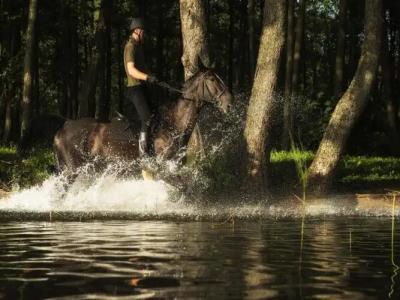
104,193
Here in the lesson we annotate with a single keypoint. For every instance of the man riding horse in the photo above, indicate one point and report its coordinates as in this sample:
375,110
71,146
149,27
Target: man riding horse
137,73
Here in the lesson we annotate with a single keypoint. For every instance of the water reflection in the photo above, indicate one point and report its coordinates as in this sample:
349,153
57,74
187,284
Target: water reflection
287,258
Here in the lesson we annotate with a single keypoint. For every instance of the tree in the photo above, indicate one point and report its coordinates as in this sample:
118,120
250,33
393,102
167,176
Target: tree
251,34
351,104
340,44
97,63
287,108
194,36
195,47
28,66
260,114
298,45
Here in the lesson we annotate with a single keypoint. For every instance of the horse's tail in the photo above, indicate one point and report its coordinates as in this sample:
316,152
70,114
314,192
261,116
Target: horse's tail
41,131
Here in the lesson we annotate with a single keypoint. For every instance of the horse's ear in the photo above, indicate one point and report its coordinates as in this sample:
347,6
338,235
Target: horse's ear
200,64
212,66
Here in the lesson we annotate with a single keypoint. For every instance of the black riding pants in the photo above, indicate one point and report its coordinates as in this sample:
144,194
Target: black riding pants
135,94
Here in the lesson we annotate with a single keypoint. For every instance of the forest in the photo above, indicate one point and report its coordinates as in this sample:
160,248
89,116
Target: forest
320,77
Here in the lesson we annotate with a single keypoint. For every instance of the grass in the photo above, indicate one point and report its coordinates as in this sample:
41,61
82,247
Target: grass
355,173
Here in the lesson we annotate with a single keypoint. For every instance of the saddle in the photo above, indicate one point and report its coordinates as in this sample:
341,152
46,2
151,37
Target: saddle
134,126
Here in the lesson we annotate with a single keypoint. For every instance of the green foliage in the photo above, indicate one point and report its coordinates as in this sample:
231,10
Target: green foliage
26,172
364,170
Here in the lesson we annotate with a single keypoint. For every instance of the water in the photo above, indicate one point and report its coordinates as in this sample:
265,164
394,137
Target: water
333,258
108,237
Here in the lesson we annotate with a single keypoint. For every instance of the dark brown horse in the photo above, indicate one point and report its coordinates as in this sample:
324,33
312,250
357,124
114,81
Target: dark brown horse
80,141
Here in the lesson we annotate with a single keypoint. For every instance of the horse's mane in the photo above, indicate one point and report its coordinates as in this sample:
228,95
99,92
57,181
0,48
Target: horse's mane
193,78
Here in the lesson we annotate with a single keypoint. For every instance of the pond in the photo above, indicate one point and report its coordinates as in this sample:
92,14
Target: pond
332,257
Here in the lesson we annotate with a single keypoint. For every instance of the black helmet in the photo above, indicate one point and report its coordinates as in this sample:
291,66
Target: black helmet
136,23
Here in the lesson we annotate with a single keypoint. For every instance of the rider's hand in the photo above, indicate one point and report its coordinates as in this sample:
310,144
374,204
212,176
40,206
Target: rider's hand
152,79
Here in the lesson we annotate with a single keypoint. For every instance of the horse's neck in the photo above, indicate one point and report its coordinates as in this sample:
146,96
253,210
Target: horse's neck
184,116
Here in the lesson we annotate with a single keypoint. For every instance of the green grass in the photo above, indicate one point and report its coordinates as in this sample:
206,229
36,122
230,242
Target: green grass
354,173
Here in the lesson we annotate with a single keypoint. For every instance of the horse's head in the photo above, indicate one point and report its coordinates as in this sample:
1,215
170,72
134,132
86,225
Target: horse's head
207,87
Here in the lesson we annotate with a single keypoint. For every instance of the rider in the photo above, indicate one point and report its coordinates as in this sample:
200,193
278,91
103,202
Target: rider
136,72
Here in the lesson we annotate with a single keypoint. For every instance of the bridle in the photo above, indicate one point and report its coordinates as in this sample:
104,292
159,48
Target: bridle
211,99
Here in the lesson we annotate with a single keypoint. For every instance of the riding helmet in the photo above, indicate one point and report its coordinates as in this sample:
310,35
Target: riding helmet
136,23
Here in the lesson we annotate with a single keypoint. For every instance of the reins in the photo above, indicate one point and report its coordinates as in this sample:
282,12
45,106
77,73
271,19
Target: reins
179,91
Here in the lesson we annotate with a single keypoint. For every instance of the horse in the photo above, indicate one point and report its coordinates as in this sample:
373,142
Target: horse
84,140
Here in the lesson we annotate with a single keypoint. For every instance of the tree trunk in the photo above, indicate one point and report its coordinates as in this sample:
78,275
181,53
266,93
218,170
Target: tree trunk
103,46
350,106
231,42
87,93
28,66
262,103
195,47
194,35
388,96
288,107
251,34
340,44
298,45
7,122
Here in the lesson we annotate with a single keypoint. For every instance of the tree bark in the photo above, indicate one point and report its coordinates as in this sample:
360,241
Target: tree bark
351,104
194,35
28,66
288,107
195,47
340,45
262,103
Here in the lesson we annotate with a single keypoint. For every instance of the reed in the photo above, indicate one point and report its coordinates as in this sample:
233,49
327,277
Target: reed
395,267
301,164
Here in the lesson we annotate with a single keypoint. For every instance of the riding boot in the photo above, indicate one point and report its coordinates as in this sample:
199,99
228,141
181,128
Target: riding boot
143,146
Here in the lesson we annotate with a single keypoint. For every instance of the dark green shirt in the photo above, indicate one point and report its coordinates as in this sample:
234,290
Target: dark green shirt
133,52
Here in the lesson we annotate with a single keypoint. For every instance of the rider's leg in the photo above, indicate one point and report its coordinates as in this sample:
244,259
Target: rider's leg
136,96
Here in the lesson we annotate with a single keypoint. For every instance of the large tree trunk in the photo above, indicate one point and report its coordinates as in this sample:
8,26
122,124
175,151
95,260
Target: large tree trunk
340,44
287,108
28,66
195,47
260,114
350,106
194,35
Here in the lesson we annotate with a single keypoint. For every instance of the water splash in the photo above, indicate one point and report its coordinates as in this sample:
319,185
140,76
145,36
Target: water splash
115,194
108,191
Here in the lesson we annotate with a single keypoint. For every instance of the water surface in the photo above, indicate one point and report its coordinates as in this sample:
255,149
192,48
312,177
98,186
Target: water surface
323,257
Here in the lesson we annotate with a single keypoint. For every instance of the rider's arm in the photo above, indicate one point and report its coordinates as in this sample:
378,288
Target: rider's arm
135,73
